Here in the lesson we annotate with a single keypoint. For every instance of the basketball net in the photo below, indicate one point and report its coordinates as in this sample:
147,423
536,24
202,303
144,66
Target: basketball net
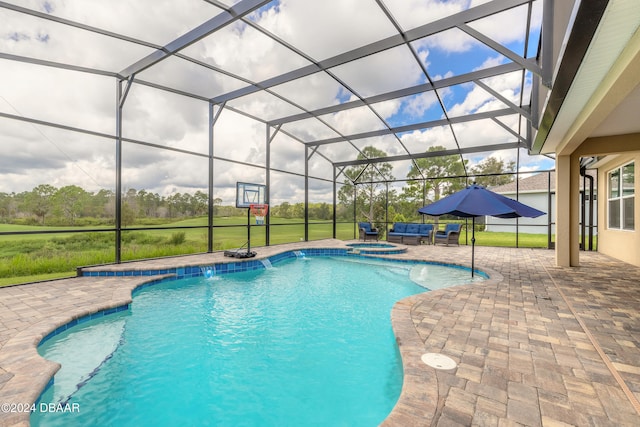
259,211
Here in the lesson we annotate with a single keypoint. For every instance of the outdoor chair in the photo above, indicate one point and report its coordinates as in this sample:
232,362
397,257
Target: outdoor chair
367,231
450,234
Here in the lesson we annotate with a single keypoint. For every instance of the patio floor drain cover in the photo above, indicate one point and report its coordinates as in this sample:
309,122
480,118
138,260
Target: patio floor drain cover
438,361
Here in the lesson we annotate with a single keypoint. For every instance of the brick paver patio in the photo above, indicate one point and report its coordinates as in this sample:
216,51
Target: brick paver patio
535,345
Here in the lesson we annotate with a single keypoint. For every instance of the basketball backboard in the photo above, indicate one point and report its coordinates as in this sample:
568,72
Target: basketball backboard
249,194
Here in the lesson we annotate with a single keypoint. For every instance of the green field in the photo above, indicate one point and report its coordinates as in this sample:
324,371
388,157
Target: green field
34,257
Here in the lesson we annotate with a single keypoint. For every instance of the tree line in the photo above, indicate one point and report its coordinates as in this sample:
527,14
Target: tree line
427,180
71,205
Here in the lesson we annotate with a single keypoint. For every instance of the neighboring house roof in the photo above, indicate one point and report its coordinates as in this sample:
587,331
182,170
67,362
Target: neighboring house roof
534,184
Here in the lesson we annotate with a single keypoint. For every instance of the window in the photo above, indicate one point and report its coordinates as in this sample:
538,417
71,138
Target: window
621,197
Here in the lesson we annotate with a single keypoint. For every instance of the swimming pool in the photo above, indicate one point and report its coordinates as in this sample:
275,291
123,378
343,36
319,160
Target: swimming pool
306,342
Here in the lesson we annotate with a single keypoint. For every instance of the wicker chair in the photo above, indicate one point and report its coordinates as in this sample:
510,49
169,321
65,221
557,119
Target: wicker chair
367,231
450,234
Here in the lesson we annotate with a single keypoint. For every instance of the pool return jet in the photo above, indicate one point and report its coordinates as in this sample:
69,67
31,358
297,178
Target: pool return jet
251,197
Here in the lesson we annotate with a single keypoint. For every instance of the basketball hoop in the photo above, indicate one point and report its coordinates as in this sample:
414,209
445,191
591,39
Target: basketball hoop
259,211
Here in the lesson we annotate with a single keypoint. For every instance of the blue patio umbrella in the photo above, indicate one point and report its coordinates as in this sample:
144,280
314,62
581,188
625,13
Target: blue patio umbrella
475,200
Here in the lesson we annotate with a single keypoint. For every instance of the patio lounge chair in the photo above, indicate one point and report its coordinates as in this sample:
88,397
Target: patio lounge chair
367,231
450,234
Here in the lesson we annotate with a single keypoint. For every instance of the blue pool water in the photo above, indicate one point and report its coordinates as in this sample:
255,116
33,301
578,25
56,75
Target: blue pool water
307,342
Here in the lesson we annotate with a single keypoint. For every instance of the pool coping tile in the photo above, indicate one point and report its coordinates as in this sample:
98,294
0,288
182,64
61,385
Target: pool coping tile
505,333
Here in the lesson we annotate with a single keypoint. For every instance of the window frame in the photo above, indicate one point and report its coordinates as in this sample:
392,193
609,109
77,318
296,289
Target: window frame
620,197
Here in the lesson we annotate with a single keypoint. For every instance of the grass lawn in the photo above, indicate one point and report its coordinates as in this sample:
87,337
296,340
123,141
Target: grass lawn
491,238
6,281
34,257
28,258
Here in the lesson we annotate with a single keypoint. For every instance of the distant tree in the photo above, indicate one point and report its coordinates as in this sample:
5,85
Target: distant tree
320,211
40,200
217,202
399,218
102,204
130,197
370,180
106,201
174,203
493,167
439,171
200,203
297,210
70,201
323,211
128,215
149,203
187,205
5,203
284,210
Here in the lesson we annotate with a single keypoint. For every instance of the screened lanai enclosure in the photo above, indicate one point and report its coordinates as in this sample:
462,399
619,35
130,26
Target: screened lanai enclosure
127,124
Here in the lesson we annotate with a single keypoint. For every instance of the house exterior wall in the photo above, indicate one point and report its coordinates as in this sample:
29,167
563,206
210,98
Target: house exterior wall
539,225
574,125
620,244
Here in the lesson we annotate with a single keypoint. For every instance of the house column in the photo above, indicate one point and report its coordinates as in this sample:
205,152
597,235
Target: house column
567,211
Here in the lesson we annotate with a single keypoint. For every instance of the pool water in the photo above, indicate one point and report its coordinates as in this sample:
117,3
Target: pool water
307,342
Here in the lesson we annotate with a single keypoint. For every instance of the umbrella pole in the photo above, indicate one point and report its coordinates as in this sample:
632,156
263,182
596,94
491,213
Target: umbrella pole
473,243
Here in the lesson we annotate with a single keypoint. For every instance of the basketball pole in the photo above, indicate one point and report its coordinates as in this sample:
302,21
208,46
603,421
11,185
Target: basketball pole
248,231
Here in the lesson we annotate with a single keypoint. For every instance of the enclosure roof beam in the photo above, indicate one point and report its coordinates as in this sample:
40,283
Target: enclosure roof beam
524,112
54,64
428,154
122,37
230,15
412,90
526,63
171,90
431,28
511,131
416,126
60,20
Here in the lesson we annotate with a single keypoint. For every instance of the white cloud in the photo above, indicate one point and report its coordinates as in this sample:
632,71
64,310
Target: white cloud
326,28
386,71
414,13
311,92
287,154
156,21
33,37
353,121
478,99
419,104
244,51
309,130
265,105
239,138
388,109
508,26
34,154
419,141
66,97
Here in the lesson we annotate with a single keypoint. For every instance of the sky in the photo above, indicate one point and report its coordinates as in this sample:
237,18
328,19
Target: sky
33,154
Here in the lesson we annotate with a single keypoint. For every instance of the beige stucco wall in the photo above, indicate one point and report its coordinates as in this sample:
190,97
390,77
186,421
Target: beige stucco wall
621,244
